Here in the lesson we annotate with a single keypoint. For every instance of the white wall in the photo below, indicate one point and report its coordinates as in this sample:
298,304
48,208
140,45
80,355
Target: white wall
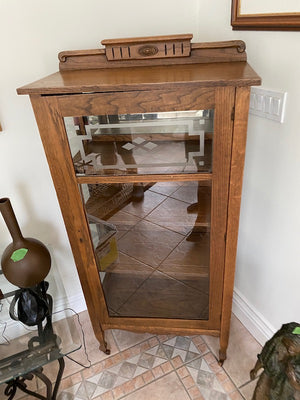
32,33
268,259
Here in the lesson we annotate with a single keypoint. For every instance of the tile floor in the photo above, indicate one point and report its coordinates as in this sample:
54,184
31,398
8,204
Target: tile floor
149,367
144,366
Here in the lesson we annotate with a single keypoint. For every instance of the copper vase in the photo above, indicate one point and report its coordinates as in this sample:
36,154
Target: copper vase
26,261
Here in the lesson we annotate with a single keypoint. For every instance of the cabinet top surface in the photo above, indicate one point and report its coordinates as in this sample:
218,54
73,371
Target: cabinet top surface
144,78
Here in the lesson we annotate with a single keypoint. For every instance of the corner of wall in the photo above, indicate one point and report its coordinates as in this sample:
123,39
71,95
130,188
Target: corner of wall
256,324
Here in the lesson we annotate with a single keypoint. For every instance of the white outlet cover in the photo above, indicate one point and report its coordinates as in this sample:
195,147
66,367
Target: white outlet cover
268,104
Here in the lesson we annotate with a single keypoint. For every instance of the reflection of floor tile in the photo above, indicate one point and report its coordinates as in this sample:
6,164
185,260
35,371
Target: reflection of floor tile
187,192
163,297
189,254
166,188
172,214
123,221
122,280
194,276
149,243
144,207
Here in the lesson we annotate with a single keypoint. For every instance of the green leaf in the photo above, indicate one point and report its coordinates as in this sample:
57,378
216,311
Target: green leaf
19,254
296,331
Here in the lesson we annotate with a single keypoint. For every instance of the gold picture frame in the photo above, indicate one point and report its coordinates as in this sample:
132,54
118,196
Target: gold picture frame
275,21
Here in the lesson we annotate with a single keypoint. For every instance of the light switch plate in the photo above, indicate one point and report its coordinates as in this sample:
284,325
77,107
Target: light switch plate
267,104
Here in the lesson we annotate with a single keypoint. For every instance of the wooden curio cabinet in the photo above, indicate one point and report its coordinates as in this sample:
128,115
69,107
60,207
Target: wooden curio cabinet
145,140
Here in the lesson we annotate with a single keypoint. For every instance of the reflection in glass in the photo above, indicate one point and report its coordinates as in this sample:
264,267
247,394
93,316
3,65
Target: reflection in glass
152,250
167,142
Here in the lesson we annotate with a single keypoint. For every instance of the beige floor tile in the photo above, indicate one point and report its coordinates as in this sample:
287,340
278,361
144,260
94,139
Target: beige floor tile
92,344
125,339
248,390
241,353
94,355
31,385
169,387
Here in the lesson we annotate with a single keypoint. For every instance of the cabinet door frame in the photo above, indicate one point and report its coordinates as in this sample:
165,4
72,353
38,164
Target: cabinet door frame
49,112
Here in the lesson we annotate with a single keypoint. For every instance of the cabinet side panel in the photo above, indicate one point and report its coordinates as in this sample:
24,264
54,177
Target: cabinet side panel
235,190
52,131
221,168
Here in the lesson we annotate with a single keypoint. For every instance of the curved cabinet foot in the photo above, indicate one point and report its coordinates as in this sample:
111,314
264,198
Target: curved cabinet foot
103,347
222,357
99,333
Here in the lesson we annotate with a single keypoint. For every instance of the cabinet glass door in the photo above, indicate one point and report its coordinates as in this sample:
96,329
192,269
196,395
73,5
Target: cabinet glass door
148,143
152,245
151,238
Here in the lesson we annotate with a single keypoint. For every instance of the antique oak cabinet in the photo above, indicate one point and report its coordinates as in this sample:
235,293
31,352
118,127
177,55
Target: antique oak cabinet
145,139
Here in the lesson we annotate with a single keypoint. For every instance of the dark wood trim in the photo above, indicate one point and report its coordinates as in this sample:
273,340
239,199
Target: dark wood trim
273,22
145,48
225,51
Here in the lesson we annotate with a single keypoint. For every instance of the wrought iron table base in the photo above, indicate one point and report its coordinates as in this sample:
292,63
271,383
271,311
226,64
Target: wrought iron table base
19,383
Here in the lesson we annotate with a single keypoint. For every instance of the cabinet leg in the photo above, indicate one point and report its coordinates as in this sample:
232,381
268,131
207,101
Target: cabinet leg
224,339
102,342
222,356
103,347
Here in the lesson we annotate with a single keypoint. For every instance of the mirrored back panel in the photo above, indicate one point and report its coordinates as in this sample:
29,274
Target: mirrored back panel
149,143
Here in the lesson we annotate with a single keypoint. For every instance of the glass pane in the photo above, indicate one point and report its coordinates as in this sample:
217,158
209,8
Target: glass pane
31,351
167,142
152,245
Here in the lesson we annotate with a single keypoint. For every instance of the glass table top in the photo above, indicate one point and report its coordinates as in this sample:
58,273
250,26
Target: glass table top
30,351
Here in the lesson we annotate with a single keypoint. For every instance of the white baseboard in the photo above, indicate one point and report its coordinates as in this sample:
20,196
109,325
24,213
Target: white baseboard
255,323
76,303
